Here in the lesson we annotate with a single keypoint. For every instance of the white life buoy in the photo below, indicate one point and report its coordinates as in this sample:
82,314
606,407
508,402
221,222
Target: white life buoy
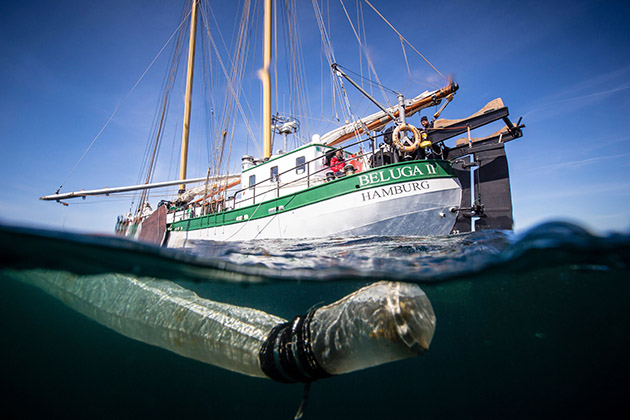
409,148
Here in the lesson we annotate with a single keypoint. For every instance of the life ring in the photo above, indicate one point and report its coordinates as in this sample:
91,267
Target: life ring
399,145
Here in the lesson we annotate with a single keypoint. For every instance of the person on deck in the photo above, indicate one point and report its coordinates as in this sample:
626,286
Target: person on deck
424,121
337,163
435,151
147,210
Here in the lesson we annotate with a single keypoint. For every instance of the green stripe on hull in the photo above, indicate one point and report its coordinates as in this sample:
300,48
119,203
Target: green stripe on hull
382,176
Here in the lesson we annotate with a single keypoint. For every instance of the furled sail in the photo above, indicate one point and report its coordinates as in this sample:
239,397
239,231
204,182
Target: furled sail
221,183
378,120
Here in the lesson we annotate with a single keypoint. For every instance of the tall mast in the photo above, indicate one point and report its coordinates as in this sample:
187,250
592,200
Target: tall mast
189,83
266,82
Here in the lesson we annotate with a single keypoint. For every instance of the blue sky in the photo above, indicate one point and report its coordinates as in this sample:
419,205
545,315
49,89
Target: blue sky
563,66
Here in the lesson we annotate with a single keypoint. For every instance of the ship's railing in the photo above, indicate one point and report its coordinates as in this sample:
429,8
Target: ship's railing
310,178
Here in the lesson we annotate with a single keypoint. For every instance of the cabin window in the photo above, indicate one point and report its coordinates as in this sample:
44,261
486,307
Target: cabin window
252,180
274,174
300,168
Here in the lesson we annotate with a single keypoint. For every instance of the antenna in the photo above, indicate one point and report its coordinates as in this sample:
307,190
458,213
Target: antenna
284,125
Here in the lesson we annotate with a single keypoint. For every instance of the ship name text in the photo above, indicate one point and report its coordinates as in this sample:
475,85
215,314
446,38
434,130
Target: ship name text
394,174
395,190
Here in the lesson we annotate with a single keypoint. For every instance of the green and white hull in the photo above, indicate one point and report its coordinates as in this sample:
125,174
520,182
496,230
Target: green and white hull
416,198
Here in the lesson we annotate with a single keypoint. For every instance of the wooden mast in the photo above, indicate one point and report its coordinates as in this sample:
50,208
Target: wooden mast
266,82
189,84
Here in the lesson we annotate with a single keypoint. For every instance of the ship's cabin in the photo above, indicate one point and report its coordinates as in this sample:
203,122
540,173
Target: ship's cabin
282,174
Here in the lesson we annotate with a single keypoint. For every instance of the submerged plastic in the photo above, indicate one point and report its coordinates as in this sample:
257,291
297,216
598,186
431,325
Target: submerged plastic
377,324
164,314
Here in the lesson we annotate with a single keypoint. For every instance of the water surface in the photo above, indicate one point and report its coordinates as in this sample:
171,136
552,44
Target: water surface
528,326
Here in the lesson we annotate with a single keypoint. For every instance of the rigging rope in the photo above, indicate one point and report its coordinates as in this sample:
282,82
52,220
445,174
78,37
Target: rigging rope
151,158
330,56
365,52
366,80
402,37
155,137
122,102
296,69
234,95
402,45
275,58
230,85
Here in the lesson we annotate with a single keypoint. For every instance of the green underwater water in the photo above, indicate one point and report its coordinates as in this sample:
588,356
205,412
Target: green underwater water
533,326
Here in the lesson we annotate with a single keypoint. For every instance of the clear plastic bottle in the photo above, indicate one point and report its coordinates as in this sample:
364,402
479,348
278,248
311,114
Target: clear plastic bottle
377,324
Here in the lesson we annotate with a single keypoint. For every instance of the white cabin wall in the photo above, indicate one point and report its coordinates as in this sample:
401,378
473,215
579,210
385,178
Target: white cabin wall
288,177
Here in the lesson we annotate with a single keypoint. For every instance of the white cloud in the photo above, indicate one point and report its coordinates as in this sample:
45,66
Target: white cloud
581,94
577,190
583,162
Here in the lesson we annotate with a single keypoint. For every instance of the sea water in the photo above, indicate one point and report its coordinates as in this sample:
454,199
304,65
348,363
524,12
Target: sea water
535,325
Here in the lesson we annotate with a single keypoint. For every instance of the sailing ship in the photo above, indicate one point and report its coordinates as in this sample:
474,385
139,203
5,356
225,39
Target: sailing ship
375,175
